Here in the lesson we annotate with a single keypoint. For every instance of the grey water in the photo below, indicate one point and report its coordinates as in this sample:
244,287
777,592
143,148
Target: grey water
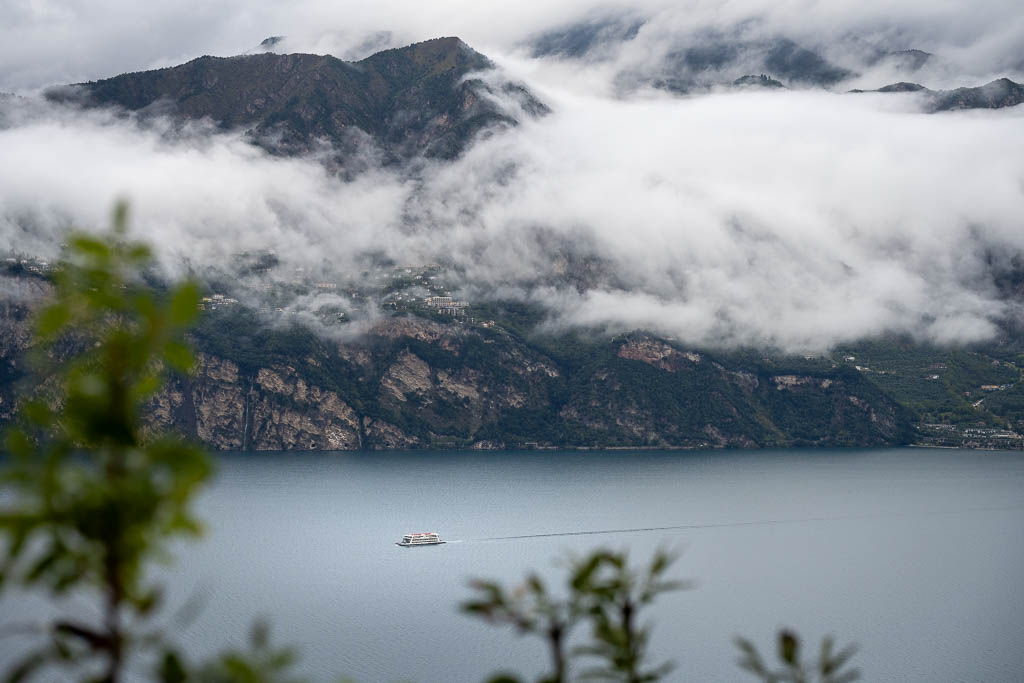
915,555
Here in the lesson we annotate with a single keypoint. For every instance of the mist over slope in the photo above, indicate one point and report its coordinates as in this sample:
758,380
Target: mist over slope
653,195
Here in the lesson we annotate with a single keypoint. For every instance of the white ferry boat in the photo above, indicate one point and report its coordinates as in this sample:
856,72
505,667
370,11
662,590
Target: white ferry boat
428,538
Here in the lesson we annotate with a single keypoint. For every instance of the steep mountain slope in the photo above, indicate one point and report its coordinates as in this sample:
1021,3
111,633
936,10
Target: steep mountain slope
411,382
590,38
420,99
779,57
905,60
694,61
993,95
698,61
416,383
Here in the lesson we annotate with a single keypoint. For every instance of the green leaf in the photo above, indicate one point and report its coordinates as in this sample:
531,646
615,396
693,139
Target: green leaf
148,602
179,356
171,669
789,647
26,667
119,219
185,304
52,319
88,245
19,443
503,678
148,385
259,635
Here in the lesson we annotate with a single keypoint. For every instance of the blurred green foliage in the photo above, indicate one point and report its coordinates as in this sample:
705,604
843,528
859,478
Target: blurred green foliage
604,592
92,497
830,666
260,662
94,500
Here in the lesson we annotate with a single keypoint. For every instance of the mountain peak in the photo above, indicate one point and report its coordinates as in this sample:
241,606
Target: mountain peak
996,94
762,81
432,58
412,100
271,42
902,86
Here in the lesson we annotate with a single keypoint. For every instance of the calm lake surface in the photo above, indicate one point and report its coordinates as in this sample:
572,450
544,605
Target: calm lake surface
916,555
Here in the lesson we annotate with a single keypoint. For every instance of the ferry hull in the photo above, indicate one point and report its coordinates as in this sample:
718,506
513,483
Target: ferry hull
413,545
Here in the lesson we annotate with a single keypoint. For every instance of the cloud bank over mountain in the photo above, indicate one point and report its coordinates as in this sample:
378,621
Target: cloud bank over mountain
794,220
47,43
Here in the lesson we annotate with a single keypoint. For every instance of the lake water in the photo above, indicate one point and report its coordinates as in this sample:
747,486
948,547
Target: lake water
916,555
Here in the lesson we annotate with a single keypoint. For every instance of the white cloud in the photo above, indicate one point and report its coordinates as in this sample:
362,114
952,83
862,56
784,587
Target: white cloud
796,219
58,41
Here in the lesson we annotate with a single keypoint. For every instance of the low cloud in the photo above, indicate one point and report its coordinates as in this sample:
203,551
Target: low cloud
793,220
47,43
788,220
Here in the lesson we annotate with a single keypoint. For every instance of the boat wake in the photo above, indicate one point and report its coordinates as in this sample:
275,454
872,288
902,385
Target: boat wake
762,522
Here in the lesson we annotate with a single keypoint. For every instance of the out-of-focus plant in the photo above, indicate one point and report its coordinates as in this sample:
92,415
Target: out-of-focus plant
260,663
614,595
602,591
90,502
830,666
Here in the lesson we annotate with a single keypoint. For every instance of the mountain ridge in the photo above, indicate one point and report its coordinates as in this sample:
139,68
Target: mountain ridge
996,94
421,99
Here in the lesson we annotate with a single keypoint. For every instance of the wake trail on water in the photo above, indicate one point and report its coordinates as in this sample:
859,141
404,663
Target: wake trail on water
761,522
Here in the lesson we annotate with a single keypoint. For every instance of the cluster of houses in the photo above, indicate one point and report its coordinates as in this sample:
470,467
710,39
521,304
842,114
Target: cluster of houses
447,305
28,265
215,301
401,288
950,435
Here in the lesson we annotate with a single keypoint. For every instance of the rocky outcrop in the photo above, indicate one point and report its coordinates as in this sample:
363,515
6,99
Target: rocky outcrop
417,383
408,374
284,413
276,410
658,354
387,436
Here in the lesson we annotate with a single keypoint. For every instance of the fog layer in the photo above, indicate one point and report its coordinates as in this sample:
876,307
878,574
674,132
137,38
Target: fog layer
794,220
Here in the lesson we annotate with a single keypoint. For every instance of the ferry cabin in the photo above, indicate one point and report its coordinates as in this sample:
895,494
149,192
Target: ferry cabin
427,538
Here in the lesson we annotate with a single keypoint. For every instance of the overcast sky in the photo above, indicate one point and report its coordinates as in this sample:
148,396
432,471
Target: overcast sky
45,42
793,220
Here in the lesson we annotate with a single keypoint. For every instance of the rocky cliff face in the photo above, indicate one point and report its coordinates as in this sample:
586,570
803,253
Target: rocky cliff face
404,401
416,383
275,410
655,394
